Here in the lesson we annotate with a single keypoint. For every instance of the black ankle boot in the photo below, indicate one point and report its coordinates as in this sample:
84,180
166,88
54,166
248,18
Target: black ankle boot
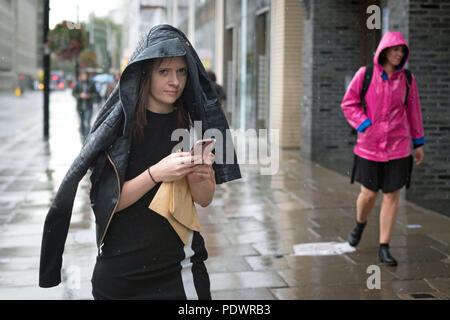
385,255
355,235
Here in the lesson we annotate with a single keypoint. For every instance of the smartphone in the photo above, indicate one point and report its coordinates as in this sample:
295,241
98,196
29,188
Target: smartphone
204,147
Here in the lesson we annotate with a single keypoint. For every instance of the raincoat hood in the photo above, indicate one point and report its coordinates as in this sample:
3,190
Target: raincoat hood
391,39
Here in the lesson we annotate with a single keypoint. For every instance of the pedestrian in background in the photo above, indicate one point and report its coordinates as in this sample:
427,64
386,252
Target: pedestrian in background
217,87
112,85
388,118
130,151
86,95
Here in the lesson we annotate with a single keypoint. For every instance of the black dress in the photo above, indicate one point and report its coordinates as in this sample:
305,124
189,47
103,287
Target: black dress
142,256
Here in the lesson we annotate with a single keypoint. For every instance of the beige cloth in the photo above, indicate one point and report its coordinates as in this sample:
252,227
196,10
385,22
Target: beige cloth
174,202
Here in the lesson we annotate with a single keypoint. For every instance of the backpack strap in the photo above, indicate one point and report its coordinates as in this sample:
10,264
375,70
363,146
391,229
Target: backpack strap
409,80
366,83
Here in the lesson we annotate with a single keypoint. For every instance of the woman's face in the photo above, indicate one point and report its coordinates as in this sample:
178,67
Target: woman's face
394,55
168,81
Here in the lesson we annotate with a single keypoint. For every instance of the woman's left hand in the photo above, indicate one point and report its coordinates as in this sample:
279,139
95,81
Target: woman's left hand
419,155
202,172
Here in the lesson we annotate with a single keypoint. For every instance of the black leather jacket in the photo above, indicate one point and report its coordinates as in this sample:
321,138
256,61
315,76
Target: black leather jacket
106,148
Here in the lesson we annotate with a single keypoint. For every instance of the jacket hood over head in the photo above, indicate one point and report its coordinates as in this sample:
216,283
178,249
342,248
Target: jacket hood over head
391,39
199,97
162,41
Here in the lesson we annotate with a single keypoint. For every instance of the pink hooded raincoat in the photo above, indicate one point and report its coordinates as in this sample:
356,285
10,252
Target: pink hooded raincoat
386,131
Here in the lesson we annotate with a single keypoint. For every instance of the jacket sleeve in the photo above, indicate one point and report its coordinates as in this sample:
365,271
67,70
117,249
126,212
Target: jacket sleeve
57,222
76,91
414,114
56,227
95,95
351,104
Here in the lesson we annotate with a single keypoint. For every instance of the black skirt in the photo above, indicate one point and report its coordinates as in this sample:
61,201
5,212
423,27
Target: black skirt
160,272
387,176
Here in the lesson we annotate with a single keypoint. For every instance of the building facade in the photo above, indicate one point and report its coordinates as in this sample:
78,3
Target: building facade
105,40
139,16
247,62
21,23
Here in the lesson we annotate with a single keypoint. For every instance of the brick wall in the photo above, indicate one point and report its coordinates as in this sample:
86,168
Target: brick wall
429,41
330,55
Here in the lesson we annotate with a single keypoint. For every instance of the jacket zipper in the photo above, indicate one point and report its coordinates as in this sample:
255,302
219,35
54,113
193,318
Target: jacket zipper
115,207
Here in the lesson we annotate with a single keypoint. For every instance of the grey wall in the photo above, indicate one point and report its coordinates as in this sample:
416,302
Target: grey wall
429,41
330,53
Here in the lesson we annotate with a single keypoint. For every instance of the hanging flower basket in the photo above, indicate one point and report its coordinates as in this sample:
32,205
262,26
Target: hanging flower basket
67,40
87,59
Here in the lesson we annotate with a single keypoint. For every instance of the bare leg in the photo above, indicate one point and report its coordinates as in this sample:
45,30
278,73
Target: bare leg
388,215
365,203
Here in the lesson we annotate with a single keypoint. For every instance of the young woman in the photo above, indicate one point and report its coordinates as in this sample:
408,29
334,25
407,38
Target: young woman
142,256
130,151
385,128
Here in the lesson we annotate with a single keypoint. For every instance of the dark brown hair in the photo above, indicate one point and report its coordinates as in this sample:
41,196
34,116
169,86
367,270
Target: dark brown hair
140,114
211,75
382,57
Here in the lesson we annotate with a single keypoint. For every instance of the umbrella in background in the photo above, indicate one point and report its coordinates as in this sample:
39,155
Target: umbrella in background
104,77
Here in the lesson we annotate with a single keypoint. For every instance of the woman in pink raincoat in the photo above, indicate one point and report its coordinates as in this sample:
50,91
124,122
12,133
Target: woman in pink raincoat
386,128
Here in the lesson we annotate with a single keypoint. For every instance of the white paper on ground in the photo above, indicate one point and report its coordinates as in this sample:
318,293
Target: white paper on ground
413,226
322,248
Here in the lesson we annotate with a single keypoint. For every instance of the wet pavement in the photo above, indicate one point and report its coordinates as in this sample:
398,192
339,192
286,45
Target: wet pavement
249,229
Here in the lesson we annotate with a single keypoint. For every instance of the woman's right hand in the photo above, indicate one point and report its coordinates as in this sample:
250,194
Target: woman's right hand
173,167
